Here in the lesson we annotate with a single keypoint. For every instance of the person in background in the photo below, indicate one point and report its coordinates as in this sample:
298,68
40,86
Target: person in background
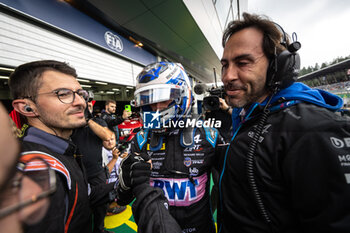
113,156
23,200
113,159
49,96
108,115
223,114
89,140
286,168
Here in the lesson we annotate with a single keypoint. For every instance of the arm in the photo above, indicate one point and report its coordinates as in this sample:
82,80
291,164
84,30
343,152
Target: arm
151,206
111,122
114,122
102,132
100,194
316,170
151,211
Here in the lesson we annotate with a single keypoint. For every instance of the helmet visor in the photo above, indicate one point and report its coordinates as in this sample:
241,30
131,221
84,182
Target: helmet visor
151,96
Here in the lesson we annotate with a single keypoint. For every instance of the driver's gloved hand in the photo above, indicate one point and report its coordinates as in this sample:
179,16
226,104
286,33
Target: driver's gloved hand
133,171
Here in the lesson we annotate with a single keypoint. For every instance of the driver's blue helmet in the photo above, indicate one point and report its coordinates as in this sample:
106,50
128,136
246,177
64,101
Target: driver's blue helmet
164,81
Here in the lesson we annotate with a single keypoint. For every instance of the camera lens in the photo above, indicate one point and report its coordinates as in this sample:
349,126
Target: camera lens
211,103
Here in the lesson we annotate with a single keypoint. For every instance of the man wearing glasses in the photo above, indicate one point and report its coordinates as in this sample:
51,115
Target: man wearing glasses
23,194
53,102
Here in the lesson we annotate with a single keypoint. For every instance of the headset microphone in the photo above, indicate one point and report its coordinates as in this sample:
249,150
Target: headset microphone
27,108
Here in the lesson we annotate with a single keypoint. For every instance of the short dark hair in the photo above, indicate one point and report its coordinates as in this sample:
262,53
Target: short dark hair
110,101
273,35
26,79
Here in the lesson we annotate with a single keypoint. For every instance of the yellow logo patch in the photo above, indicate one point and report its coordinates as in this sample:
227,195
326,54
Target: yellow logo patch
163,147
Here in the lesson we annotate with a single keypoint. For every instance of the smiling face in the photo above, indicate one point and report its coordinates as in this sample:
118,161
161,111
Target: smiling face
244,67
51,112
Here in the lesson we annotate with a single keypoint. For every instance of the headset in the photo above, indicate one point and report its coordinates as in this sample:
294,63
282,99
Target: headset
284,67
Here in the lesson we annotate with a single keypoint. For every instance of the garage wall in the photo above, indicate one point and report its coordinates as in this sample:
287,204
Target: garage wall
22,41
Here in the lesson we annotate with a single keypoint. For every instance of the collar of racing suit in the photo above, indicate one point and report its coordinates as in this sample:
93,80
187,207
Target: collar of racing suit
54,143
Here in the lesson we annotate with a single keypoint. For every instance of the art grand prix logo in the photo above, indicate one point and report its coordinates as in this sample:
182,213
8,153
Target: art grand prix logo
151,120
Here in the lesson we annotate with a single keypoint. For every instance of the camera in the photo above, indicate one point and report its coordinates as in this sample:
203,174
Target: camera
122,147
212,102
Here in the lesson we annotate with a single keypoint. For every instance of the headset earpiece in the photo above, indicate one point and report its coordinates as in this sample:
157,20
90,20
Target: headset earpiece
27,108
284,67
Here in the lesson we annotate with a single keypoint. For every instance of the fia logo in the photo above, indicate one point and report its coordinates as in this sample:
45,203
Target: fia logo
113,41
151,120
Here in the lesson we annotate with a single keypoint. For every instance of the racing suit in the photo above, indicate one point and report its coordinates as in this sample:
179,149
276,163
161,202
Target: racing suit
69,209
183,172
300,168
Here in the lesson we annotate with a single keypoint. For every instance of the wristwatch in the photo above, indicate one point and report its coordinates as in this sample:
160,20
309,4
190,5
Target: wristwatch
228,109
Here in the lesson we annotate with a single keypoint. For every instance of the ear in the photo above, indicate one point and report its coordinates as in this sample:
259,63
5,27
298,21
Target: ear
20,104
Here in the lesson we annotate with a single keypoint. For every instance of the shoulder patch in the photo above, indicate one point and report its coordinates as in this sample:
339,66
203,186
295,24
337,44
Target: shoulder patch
211,135
54,163
141,138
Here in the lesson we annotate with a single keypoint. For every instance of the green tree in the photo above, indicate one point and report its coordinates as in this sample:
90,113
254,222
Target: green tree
309,69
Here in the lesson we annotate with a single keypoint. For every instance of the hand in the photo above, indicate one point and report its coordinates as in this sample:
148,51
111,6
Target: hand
223,105
115,153
133,170
88,115
124,155
126,114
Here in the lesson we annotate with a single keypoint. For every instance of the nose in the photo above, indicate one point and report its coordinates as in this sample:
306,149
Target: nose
229,74
154,107
157,106
79,100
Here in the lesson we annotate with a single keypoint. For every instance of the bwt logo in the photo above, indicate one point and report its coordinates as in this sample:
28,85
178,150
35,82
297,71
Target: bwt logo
177,190
113,41
151,120
340,143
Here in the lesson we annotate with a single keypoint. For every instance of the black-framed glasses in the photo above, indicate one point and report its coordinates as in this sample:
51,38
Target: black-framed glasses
67,96
33,182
